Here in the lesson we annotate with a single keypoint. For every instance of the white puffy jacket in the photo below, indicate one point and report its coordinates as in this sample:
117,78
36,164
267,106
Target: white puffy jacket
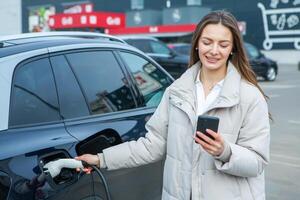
190,172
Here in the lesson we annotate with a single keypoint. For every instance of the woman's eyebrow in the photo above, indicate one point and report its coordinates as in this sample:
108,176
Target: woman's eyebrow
225,41
207,38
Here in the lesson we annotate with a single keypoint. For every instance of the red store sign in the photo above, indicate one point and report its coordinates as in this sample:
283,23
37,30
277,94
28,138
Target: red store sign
80,8
162,29
87,20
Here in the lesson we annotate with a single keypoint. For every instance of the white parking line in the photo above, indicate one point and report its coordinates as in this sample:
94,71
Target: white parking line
294,122
290,161
285,157
273,95
279,86
285,163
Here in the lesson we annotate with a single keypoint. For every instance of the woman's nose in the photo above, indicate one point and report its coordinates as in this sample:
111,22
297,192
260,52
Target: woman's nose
214,49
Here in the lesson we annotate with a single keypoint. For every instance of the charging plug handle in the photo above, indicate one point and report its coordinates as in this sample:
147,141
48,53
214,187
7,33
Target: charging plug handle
54,167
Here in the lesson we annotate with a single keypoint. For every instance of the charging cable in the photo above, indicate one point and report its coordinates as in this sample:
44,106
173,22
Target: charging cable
54,167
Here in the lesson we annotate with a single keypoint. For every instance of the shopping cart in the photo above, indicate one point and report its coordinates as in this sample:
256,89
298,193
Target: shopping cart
282,29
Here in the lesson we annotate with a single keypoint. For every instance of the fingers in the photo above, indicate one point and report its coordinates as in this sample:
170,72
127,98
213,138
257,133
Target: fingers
206,138
214,147
84,157
215,135
204,144
87,170
77,158
89,158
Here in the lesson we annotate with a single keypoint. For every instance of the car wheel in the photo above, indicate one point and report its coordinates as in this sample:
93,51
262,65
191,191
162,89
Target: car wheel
271,74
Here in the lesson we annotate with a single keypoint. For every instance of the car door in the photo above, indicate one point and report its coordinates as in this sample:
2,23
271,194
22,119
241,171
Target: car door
151,82
113,118
36,135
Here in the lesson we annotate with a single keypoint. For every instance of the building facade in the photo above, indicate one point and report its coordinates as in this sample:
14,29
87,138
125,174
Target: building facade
268,24
10,17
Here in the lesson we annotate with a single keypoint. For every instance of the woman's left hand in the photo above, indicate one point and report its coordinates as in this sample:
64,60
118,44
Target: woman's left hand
214,147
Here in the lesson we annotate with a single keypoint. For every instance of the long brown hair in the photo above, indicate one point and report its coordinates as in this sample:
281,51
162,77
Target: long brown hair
238,57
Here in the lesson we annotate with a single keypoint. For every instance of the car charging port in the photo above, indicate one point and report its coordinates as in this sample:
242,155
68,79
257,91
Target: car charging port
65,177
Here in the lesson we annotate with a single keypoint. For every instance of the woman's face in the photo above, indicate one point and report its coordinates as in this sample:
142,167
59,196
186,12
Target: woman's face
215,46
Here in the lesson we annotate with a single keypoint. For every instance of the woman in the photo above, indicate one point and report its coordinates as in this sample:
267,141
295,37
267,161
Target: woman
219,82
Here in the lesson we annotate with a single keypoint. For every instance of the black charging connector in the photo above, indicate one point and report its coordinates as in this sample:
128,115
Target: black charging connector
100,174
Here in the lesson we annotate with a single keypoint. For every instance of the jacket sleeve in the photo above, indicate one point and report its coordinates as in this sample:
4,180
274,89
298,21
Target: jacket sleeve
146,149
250,154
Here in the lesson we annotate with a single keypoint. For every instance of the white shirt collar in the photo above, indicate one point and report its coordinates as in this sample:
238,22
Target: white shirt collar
202,102
219,84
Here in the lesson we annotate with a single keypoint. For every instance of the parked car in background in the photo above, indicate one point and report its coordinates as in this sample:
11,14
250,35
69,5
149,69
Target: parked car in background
175,63
261,65
66,94
182,48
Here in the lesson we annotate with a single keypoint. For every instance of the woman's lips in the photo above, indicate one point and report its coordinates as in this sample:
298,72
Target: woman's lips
212,60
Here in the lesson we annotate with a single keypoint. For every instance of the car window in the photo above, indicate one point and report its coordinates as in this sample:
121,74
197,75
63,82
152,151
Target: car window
184,49
159,48
151,81
251,51
34,98
142,45
102,81
71,100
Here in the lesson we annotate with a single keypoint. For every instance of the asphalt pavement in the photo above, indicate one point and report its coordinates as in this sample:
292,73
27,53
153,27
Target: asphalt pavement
283,172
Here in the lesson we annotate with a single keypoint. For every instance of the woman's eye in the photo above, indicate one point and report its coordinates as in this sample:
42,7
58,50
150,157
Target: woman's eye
224,46
206,42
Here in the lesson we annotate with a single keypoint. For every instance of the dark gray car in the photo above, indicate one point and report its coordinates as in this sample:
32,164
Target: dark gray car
64,95
173,62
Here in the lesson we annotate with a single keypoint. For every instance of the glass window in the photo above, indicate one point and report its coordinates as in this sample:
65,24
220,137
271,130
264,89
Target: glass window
159,48
142,45
71,100
183,49
34,98
137,4
102,81
151,81
194,2
251,51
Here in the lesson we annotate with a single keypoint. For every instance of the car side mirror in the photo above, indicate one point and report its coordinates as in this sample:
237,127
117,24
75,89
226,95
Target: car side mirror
172,54
261,55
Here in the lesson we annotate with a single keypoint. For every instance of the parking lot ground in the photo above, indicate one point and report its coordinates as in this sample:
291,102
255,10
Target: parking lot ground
283,172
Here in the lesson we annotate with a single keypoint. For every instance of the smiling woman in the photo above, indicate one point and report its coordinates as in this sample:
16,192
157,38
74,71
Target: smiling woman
214,48
215,45
226,164
217,49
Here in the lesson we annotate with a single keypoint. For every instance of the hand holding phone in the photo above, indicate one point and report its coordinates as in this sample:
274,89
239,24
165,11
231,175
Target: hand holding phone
207,122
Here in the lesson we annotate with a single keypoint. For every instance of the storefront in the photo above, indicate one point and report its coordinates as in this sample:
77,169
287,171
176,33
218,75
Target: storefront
268,24
72,15
83,16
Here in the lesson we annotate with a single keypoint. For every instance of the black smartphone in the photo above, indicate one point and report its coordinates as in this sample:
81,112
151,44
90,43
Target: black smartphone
207,122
